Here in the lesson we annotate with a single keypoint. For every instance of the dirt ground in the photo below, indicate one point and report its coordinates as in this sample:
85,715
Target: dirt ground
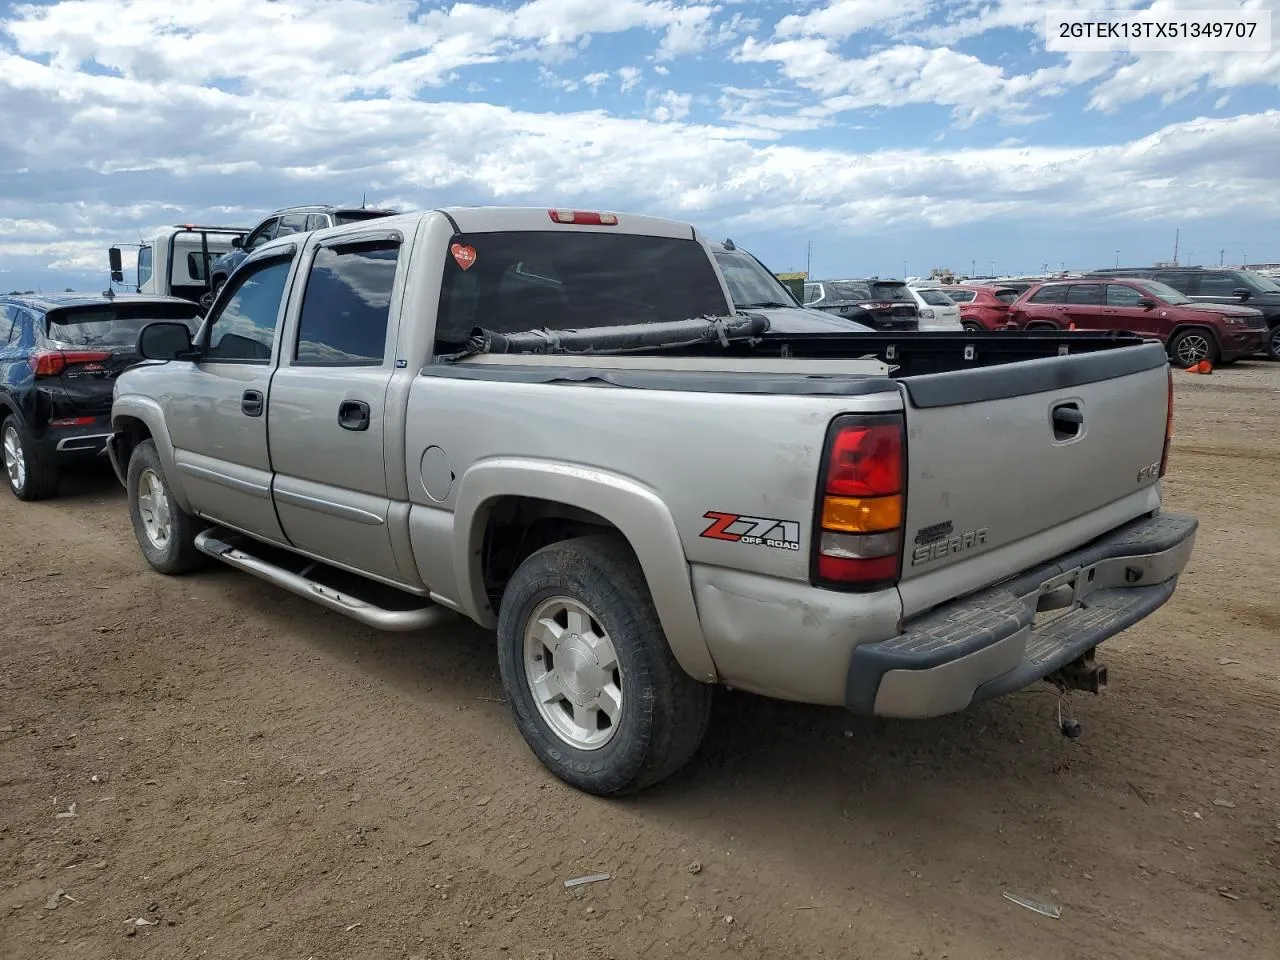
256,777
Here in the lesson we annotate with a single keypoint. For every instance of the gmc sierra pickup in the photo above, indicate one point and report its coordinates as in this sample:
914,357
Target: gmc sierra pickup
555,424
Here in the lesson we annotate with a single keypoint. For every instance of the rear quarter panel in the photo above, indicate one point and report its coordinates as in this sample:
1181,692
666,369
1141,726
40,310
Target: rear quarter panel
738,455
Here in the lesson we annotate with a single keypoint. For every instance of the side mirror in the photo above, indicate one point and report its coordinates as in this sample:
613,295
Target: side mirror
165,340
1241,292
237,242
117,266
1146,303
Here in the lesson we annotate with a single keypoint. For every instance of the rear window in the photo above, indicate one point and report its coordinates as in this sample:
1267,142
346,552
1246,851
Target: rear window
936,298
117,325
890,290
565,280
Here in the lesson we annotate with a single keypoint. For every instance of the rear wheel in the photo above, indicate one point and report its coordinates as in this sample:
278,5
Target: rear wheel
1041,325
29,478
593,686
165,532
1189,347
973,327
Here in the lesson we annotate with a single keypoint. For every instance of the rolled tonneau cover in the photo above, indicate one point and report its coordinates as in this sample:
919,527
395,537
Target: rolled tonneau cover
623,338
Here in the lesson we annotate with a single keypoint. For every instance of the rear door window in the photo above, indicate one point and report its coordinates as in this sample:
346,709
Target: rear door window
1182,282
1085,294
514,282
1052,294
1219,285
113,325
346,306
6,324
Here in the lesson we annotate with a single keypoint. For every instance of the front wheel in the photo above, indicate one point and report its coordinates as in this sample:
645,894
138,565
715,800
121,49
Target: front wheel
1192,346
165,532
1273,343
593,686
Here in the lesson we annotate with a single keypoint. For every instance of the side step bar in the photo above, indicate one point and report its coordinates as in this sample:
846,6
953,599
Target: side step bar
368,614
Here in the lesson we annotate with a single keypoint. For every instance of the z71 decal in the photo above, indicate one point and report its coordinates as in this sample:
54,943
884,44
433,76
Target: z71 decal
756,531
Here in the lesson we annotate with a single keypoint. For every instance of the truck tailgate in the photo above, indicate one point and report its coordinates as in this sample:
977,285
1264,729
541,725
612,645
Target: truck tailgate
996,455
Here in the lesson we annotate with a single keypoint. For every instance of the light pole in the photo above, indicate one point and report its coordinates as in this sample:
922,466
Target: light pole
1117,259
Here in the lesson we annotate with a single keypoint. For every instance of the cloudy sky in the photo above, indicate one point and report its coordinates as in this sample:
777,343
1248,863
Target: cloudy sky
890,133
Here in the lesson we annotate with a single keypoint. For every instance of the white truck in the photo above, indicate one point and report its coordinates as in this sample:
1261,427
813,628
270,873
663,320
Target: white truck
175,262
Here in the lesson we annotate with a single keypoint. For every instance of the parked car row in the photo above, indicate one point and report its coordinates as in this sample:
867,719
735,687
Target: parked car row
612,442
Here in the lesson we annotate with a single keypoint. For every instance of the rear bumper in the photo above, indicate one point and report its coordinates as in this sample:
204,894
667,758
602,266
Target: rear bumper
74,444
994,642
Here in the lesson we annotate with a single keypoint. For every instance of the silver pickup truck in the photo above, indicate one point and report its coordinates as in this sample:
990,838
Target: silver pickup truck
555,424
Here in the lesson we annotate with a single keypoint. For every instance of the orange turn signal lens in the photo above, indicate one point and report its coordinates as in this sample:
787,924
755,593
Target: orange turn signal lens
861,514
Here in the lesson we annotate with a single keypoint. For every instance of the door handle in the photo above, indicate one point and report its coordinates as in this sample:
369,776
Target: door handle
1067,419
251,403
353,415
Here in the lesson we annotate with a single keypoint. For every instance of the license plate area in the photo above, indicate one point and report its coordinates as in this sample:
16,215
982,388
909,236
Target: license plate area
1061,595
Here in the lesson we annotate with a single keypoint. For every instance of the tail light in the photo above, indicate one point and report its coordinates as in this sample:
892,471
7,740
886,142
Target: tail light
857,542
51,363
1168,427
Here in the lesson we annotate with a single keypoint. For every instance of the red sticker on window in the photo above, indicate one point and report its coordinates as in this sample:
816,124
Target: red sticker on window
465,255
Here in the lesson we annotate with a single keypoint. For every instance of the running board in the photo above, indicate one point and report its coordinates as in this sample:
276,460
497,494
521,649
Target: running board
367,613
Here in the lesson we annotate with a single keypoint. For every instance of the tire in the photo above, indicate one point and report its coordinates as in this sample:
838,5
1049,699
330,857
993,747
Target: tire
1042,325
1273,343
661,712
153,511
29,477
1189,347
972,327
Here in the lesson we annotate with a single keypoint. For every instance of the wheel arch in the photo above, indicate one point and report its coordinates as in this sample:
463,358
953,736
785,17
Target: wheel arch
580,497
1188,327
135,419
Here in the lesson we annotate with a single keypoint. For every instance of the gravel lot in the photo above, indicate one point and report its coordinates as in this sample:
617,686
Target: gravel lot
255,777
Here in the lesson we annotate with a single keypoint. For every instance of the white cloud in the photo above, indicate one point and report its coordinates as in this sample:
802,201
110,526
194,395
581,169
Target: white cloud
840,19
672,106
630,77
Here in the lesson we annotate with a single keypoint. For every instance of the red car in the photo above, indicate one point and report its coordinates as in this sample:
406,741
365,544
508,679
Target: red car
983,308
1191,331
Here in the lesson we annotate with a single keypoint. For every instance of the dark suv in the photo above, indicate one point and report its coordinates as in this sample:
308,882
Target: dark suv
59,358
880,304
281,223
1242,288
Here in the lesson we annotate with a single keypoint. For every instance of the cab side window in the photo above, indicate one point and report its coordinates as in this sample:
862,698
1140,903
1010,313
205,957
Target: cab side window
144,265
244,327
260,236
